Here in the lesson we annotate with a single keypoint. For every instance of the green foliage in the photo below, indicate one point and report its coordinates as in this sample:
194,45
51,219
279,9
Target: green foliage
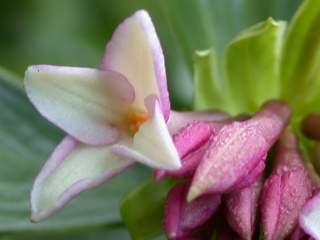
250,70
142,209
263,62
300,68
252,62
209,89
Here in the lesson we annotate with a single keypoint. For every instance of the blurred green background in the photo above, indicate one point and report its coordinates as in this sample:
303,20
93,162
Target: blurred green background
74,32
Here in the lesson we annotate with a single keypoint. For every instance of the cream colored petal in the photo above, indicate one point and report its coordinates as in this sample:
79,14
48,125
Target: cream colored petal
86,103
71,169
135,52
152,144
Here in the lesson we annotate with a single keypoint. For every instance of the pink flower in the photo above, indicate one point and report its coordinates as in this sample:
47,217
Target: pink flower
285,191
114,116
241,206
193,140
234,155
182,220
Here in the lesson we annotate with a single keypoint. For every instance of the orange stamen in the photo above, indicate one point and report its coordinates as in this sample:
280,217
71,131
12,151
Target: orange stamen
136,119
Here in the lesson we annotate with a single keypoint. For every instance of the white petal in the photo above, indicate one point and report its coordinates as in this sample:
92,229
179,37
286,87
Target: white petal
309,218
71,169
152,144
86,103
135,52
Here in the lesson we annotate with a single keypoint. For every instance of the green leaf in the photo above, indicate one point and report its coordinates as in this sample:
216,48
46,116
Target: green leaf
38,31
105,232
10,78
26,140
300,67
209,91
252,63
142,209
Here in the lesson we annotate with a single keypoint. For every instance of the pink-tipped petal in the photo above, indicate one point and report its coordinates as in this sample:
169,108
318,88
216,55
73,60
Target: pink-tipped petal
295,190
296,183
233,153
270,205
172,212
199,211
271,119
309,218
246,181
179,120
86,103
135,52
71,169
237,149
189,165
285,191
288,157
241,208
182,219
152,144
192,137
188,139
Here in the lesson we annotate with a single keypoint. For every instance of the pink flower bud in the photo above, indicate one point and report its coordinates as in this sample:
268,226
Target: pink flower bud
183,219
285,191
241,206
190,138
237,149
192,141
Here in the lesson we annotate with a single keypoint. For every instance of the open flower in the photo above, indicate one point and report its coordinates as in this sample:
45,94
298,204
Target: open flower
113,116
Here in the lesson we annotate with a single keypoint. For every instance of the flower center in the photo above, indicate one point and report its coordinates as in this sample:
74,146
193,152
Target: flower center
135,119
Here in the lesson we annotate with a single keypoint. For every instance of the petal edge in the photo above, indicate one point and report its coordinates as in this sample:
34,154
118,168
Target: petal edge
68,172
135,47
84,102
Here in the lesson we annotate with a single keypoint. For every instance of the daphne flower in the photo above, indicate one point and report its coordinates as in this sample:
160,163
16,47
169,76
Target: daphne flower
234,157
193,138
113,116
